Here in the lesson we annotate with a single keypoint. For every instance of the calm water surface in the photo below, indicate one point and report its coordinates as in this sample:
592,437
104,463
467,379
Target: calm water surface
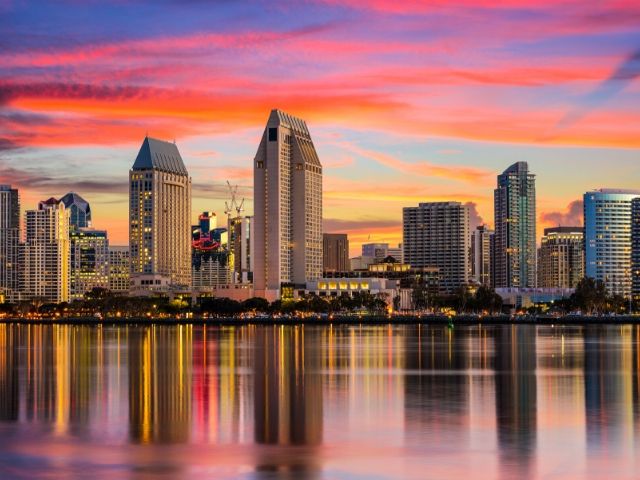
319,402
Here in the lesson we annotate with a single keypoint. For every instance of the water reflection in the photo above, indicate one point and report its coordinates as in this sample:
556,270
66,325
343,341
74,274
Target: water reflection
516,396
335,402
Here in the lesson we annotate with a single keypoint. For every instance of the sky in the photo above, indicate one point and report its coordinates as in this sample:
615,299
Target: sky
407,101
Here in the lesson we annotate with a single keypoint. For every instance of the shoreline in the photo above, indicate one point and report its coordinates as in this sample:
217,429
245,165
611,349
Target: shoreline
338,320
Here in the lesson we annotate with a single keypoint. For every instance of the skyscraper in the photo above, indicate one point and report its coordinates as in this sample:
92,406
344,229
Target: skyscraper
46,253
607,237
240,239
635,249
159,218
287,207
79,210
561,257
210,255
481,255
515,228
9,242
335,252
118,269
437,235
89,261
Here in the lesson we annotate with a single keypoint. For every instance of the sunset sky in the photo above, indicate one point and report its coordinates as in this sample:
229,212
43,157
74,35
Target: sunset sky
407,101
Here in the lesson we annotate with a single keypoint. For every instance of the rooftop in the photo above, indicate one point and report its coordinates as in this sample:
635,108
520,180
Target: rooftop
160,155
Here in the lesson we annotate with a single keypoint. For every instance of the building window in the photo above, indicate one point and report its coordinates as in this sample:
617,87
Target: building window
259,164
273,134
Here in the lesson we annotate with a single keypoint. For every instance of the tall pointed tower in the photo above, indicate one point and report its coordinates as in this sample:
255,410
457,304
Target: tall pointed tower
287,207
159,218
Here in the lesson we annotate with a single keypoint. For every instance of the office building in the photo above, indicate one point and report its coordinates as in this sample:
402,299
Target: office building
335,252
287,207
240,238
481,239
635,250
159,216
9,243
561,257
607,238
437,235
45,255
79,210
118,269
515,228
211,259
89,261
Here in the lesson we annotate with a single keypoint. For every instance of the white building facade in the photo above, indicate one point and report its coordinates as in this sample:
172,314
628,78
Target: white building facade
287,207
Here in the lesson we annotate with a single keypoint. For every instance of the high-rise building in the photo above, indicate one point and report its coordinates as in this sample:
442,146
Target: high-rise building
437,235
515,228
211,260
287,207
46,253
79,210
159,218
561,257
335,252
635,249
89,261
377,251
9,243
118,269
607,238
481,255
240,238
396,253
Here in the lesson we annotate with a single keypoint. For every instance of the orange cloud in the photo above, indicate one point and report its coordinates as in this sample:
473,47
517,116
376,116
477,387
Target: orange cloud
427,169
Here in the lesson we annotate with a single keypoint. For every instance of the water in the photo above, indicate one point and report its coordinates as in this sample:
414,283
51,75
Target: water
338,402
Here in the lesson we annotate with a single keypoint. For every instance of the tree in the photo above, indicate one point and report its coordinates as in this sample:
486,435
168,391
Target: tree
255,304
486,298
590,296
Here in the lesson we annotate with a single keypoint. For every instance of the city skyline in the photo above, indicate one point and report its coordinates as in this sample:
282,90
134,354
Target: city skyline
417,99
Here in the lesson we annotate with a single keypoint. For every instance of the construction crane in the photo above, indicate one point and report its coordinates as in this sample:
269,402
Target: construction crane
233,204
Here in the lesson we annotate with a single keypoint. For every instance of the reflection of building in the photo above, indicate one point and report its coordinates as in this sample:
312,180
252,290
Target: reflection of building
436,386
437,235
288,386
9,368
159,216
160,384
515,228
89,261
45,254
610,383
118,269
335,252
516,397
481,255
79,210
9,243
287,206
561,257
607,238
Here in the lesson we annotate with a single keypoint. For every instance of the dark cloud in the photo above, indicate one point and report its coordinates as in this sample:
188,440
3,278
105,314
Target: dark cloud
12,91
475,219
53,185
338,225
572,216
